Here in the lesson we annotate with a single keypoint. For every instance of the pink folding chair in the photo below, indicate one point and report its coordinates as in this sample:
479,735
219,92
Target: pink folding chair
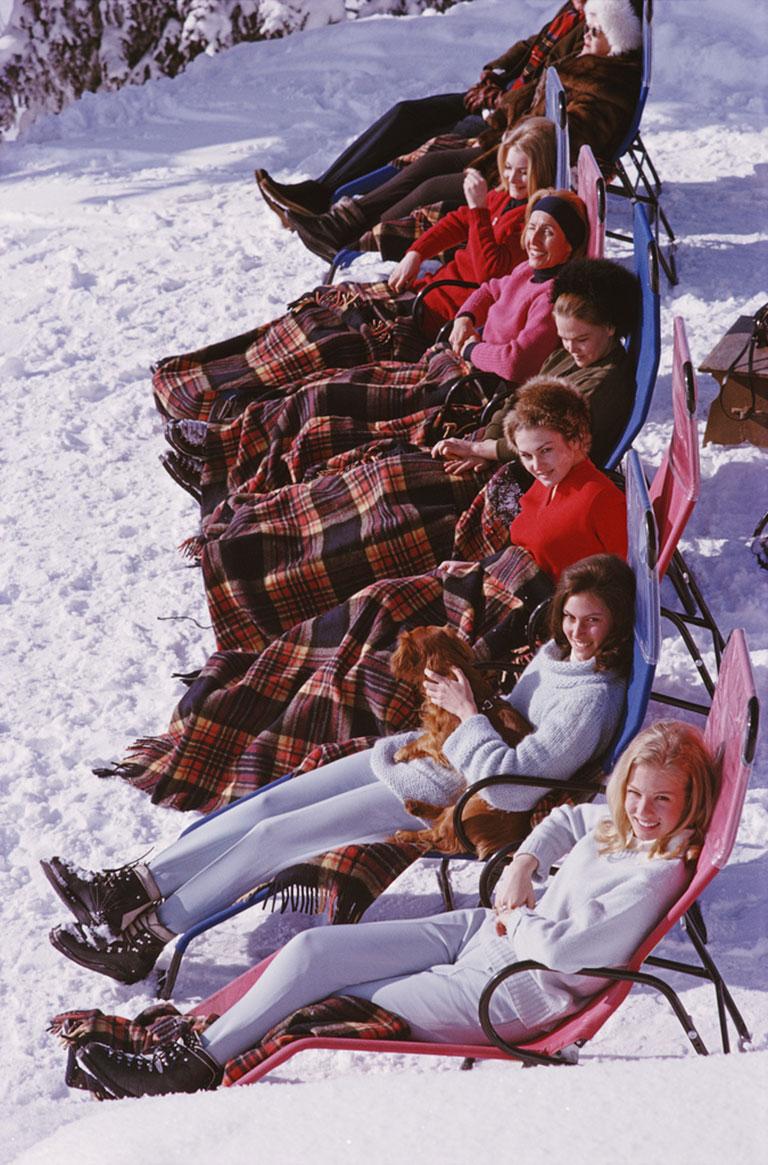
590,187
674,491
731,731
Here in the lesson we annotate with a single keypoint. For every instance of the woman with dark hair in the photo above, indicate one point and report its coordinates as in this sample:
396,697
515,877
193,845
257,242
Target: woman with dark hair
324,688
572,695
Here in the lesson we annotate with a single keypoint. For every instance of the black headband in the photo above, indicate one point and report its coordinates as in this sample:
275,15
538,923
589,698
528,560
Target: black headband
569,221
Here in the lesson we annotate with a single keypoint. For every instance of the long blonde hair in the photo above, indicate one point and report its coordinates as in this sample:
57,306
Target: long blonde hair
535,136
679,750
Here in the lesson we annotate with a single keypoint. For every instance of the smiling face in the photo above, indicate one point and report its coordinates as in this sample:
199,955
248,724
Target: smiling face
587,623
545,242
515,173
586,343
547,455
654,802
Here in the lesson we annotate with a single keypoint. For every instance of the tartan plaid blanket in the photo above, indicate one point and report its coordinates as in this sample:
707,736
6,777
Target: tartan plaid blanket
393,237
250,717
289,555
274,442
337,1016
338,326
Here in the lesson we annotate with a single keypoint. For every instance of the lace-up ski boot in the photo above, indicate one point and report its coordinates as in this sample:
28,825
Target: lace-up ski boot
183,1066
111,898
128,958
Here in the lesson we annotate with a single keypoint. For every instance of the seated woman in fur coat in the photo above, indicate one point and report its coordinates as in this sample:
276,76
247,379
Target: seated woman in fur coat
602,84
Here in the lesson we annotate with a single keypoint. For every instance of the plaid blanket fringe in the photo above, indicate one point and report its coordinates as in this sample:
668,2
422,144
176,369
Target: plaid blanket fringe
251,717
337,1016
338,326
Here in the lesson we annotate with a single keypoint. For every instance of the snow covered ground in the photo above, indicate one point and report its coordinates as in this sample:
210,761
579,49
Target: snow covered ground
131,229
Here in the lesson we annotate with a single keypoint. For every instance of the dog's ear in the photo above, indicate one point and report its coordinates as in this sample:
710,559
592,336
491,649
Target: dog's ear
406,663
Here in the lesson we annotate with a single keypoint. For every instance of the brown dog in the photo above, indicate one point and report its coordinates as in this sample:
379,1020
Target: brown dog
441,649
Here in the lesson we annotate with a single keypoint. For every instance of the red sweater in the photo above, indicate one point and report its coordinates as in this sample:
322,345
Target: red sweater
587,515
518,329
490,246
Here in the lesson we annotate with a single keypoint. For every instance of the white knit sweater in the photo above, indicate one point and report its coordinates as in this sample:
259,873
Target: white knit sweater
574,711
594,912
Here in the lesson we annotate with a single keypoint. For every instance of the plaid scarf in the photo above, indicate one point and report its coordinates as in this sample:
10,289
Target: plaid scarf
337,1017
560,25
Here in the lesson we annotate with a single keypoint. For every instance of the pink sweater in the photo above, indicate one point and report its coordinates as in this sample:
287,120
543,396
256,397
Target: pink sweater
518,329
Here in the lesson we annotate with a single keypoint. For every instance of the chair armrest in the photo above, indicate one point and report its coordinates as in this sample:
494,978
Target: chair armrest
417,309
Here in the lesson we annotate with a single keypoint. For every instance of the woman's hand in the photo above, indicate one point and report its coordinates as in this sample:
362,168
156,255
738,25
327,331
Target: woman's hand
451,693
515,886
404,274
464,456
475,189
462,331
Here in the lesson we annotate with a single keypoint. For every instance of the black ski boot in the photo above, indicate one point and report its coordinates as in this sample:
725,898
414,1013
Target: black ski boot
128,958
183,1066
110,898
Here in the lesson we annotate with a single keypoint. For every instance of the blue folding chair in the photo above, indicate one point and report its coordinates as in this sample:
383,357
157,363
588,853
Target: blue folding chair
640,182
555,109
645,342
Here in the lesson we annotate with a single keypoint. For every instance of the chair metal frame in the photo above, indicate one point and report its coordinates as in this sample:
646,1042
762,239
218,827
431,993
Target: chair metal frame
634,175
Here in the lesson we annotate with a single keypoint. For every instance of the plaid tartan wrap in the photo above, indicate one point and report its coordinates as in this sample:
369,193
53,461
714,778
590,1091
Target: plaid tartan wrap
393,237
337,1017
250,717
272,443
294,553
338,326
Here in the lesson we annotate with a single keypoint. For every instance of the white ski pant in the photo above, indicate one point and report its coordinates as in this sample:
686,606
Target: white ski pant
430,971
227,855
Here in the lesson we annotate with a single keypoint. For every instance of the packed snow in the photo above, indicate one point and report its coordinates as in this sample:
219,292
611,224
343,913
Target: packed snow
131,229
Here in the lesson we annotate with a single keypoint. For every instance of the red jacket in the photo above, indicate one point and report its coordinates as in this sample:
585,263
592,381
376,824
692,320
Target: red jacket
586,515
489,241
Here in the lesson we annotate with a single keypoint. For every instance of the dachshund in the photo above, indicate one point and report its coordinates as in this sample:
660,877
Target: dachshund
441,649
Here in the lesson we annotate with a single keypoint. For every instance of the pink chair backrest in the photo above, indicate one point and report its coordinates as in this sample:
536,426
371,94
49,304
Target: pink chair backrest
590,187
677,482
730,732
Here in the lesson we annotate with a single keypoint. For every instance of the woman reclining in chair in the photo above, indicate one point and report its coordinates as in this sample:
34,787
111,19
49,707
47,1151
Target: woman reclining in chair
357,325
622,867
571,697
601,79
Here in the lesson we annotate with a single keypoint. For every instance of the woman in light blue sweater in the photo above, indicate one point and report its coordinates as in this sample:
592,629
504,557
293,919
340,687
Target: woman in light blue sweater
622,870
572,694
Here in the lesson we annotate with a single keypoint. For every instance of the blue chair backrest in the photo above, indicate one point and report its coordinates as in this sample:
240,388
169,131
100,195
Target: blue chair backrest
645,80
555,110
642,551
645,342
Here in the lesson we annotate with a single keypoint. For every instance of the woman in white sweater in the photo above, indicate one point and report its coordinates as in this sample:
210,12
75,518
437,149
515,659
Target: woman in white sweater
572,694
622,871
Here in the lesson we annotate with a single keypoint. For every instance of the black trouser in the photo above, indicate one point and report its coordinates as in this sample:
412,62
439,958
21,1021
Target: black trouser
402,128
437,177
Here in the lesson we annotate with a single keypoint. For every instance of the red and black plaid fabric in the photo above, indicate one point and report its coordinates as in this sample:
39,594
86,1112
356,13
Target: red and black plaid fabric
250,717
276,442
561,24
289,555
337,1017
393,238
331,327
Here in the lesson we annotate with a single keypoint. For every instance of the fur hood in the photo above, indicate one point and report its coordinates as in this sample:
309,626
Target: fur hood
619,22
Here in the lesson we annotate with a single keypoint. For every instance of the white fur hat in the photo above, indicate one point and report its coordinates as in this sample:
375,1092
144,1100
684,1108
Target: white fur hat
619,22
